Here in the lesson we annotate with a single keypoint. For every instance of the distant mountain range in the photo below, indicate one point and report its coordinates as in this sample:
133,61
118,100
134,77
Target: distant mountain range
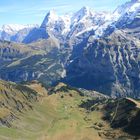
15,32
74,77
70,26
92,50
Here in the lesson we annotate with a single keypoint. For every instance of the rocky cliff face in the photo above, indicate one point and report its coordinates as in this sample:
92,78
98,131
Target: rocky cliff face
10,52
99,51
47,68
109,65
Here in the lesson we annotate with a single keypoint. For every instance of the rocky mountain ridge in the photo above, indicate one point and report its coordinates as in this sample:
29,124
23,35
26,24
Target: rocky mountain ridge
15,32
70,50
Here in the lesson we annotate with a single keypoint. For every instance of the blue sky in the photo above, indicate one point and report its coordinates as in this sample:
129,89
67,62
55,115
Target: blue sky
33,11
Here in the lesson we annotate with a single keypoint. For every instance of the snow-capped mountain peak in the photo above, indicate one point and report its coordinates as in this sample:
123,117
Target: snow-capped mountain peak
14,28
122,16
52,14
50,18
10,28
11,31
67,22
83,21
82,14
129,8
85,10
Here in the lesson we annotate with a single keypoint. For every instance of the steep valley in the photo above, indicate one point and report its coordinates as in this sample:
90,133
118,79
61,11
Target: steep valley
63,112
91,50
74,77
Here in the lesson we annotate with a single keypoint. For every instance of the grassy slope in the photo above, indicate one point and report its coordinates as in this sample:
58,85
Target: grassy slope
54,117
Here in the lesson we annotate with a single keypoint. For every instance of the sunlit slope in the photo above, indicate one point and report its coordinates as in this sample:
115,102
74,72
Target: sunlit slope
64,112
54,117
14,100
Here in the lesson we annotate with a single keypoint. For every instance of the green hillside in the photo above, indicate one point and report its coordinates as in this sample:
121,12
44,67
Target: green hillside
59,113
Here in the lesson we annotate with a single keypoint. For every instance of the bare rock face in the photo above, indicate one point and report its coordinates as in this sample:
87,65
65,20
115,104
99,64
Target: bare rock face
109,65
